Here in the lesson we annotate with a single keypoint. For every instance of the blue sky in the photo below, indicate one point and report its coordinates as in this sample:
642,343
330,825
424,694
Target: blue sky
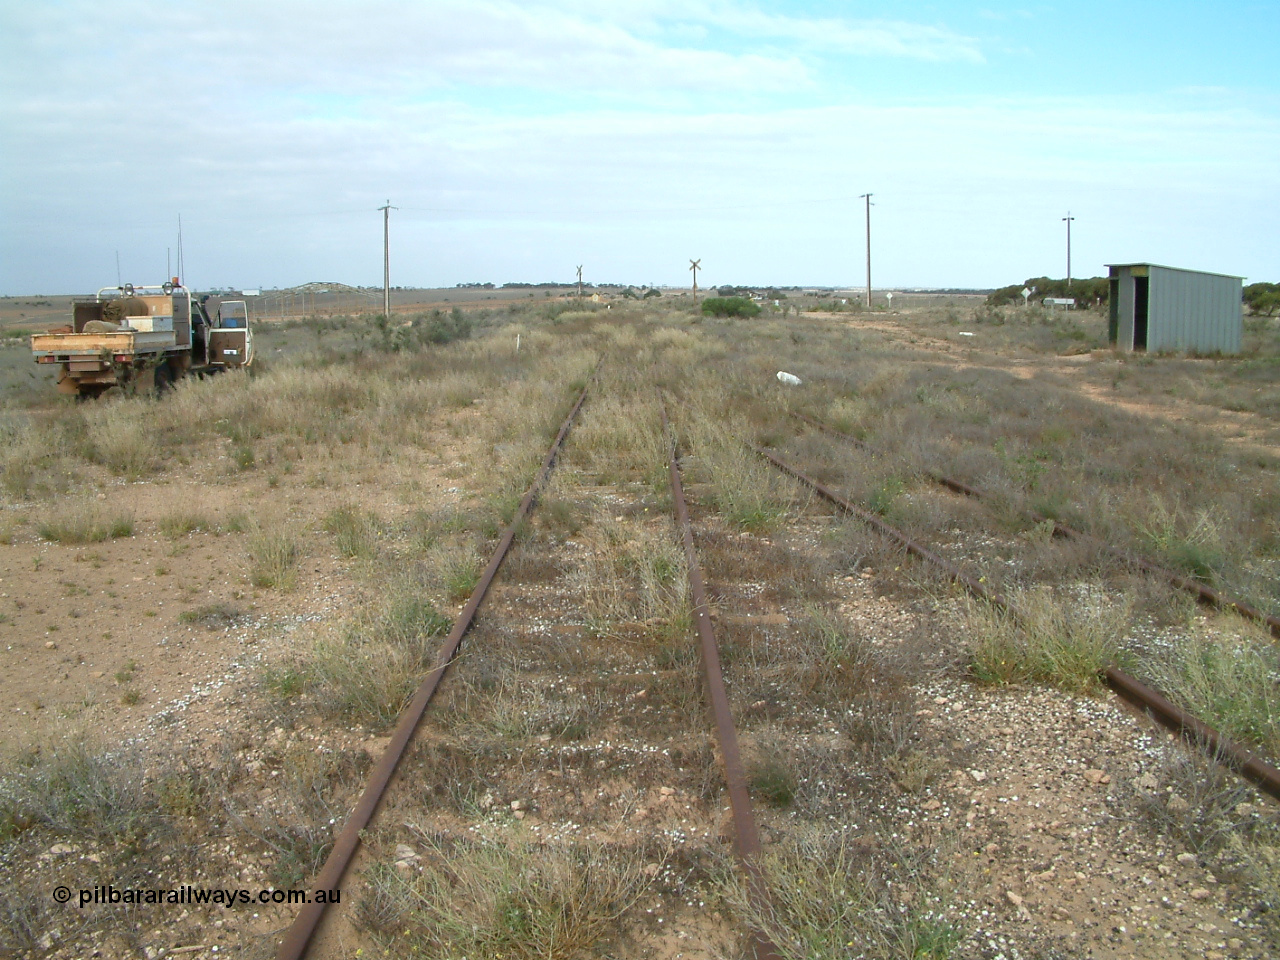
521,139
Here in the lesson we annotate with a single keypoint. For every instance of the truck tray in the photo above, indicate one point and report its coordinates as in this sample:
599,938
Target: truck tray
67,345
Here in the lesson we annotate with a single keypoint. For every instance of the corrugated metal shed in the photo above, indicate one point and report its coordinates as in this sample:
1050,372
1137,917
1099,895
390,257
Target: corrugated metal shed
1158,308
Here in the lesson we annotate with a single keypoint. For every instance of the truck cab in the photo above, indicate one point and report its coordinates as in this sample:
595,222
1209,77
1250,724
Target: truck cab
230,342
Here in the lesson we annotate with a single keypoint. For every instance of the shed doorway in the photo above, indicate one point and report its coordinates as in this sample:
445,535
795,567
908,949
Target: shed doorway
1141,291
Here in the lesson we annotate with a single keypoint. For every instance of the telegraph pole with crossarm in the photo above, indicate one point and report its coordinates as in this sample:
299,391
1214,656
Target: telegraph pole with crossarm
386,258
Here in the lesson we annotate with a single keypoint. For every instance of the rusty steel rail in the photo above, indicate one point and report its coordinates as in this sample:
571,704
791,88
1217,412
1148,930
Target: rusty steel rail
294,944
746,833
914,548
1250,766
1205,593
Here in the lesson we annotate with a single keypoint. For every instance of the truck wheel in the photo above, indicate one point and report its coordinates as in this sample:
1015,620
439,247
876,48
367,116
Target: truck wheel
164,379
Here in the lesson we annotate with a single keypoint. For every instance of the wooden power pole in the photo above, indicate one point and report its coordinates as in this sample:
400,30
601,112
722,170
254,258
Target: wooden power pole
695,266
867,197
579,281
1068,218
386,258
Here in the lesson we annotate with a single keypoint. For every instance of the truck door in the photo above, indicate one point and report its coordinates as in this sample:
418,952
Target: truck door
231,340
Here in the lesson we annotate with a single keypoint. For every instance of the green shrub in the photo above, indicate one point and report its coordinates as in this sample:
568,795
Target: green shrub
774,783
440,328
730,307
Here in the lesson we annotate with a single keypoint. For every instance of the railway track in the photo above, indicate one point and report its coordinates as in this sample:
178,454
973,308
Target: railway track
745,833
1246,763
747,730
298,936
1201,591
746,839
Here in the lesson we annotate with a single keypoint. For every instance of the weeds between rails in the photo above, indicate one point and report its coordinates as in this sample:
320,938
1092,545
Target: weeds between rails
482,714
746,833
1217,685
1038,443
1058,529
579,932
294,944
1061,653
1048,448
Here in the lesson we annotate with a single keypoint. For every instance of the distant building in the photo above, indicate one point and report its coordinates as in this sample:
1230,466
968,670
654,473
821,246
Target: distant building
1155,308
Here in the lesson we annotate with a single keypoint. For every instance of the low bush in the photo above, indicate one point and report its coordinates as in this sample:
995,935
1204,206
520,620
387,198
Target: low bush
730,307
441,328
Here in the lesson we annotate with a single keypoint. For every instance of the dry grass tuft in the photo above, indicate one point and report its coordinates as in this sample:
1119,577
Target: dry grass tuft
123,436
180,523
73,790
273,557
1226,676
632,574
369,669
355,531
84,521
517,900
1193,545
1056,639
833,899
746,491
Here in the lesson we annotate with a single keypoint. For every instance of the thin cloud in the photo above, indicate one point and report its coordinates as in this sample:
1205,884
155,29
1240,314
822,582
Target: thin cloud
841,36
852,38
297,48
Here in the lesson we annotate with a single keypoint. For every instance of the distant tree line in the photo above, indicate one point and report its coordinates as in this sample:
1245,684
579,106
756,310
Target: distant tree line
1262,299
1085,291
766,293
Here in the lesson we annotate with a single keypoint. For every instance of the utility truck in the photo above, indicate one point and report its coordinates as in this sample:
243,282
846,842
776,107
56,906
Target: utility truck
144,339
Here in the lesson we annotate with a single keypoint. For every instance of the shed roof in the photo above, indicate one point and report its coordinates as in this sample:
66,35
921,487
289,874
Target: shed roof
1162,266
